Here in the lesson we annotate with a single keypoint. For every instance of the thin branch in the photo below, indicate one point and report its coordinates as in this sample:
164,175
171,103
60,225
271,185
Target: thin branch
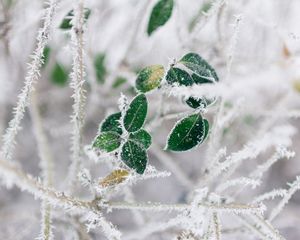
46,165
294,187
32,76
78,74
217,226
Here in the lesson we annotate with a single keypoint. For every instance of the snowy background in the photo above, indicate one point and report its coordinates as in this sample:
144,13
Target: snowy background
253,45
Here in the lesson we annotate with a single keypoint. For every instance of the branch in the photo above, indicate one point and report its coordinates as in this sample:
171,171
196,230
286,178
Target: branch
32,76
294,187
77,75
46,165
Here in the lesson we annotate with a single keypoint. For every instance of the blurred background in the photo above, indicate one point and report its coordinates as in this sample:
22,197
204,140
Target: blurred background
261,40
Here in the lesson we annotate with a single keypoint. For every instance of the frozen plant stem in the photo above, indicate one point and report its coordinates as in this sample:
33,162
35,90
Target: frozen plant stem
217,229
294,187
13,173
27,182
46,165
77,82
32,76
233,43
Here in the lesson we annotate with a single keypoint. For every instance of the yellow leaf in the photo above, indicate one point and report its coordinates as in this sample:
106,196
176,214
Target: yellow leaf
114,178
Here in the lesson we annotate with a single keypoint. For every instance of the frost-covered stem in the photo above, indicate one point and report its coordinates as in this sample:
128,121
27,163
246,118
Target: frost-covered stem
11,172
170,164
46,165
266,225
233,43
294,187
217,226
251,150
216,130
251,227
238,181
238,208
27,182
279,154
77,82
46,231
208,232
32,76
270,195
214,138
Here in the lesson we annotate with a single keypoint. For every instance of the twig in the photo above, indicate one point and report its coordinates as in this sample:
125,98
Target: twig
46,165
78,74
32,76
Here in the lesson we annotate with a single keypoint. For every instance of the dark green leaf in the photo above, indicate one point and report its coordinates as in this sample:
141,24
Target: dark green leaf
46,54
160,14
119,81
107,141
149,78
206,129
66,23
99,64
111,123
202,71
188,133
195,103
87,13
142,137
59,75
177,75
134,156
136,114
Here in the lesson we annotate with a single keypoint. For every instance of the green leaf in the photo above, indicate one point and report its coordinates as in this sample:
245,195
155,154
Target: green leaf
202,71
136,113
177,75
119,81
142,137
149,78
134,156
59,75
66,23
107,141
112,123
46,55
87,13
187,134
99,64
195,103
160,14
206,129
